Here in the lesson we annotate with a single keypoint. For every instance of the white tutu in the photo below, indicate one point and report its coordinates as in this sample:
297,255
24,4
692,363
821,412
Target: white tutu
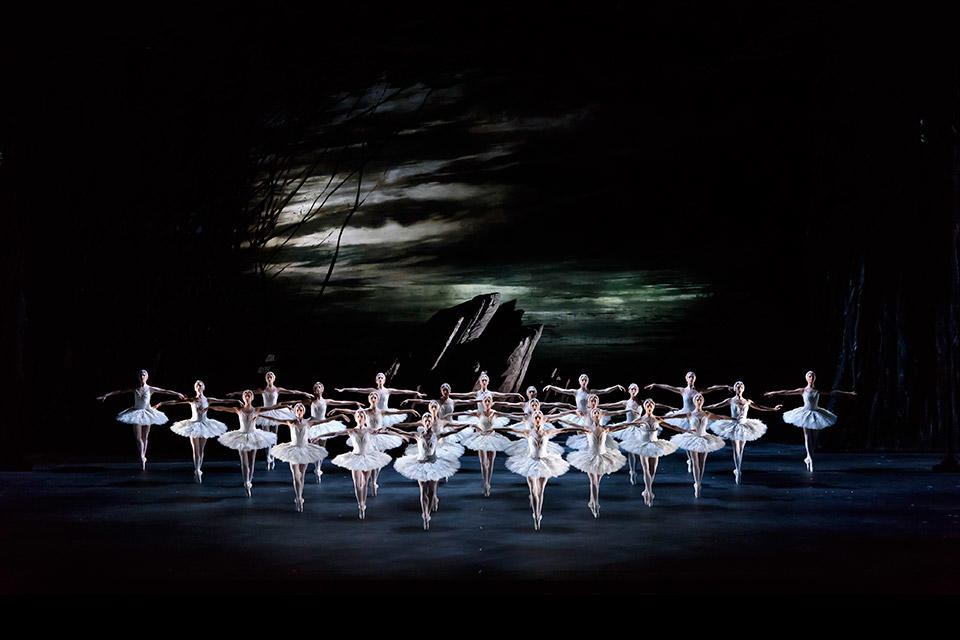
248,440
204,428
436,469
743,430
548,466
148,416
485,441
391,419
522,448
809,418
263,420
384,441
318,430
683,423
579,441
607,462
445,449
650,449
701,444
362,461
306,454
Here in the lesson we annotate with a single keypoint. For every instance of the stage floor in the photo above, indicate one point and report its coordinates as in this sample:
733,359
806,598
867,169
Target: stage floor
862,523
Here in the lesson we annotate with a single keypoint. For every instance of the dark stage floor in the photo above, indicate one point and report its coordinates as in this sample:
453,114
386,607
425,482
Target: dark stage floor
862,523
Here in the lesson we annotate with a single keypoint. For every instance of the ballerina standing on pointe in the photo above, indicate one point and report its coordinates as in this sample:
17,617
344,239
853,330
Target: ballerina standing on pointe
538,462
642,441
633,412
598,457
810,417
377,418
425,464
318,412
247,439
696,441
687,393
383,393
300,452
141,415
447,404
271,393
200,426
483,382
585,419
483,439
447,447
363,460
524,422
739,428
531,398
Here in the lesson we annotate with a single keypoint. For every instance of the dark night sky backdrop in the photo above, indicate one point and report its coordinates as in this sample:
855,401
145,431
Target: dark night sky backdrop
664,188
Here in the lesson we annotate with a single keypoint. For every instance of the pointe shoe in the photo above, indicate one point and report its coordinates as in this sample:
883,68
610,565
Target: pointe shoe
426,524
319,473
633,479
689,468
696,490
375,487
143,463
486,491
809,461
436,504
736,475
363,513
249,487
198,476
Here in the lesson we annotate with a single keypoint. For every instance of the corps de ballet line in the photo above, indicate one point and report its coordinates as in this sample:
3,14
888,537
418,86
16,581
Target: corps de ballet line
439,436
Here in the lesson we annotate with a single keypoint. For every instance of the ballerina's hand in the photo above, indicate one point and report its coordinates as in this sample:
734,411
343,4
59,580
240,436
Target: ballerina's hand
778,407
101,398
649,386
182,397
768,394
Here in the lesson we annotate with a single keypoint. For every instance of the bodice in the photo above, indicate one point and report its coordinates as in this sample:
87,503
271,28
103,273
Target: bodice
384,399
447,407
141,398
481,394
248,421
688,395
536,444
738,410
582,398
698,423
633,410
270,397
318,409
485,422
196,405
648,429
597,441
298,433
427,442
810,398
360,439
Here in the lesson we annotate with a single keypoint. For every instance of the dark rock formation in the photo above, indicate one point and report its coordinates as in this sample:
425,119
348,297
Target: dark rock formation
456,344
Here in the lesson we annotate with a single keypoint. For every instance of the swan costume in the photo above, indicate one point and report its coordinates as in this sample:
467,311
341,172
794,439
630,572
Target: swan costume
270,399
299,450
810,416
199,425
520,447
739,427
688,407
363,457
426,464
597,457
318,411
248,437
699,441
537,460
643,440
141,412
481,438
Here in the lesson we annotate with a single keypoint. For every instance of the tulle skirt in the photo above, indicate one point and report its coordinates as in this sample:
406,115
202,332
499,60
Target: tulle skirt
486,441
548,466
436,469
701,444
810,418
445,449
205,428
248,440
649,448
743,430
385,441
601,463
369,461
318,430
263,420
579,441
522,448
309,453
392,419
148,416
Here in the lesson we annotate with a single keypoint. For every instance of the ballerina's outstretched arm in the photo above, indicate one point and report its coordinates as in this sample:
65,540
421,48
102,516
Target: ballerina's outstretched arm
557,414
663,423
717,387
549,433
785,392
719,405
838,392
665,387
397,412
761,408
114,393
167,391
621,426
224,409
574,426
451,431
463,413
566,392
172,402
616,387
335,434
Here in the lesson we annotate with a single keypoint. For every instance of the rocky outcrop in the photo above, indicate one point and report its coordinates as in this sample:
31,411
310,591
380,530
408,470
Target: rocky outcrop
456,344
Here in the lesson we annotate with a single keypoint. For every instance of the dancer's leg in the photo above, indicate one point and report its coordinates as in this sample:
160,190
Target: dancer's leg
632,462
738,446
810,443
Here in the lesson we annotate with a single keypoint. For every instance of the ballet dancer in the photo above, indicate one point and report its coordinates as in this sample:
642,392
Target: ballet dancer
633,412
582,394
247,439
537,462
642,441
739,428
597,458
696,441
483,438
687,393
483,382
524,422
318,412
383,392
363,460
425,464
270,394
447,446
141,415
300,452
200,426
531,392
810,417
585,419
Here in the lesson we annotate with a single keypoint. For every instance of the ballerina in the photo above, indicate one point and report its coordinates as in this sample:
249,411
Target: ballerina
318,412
739,428
585,419
141,415
483,382
583,392
379,418
300,452
642,441
447,447
531,392
597,458
687,393
524,422
696,441
810,417
363,460
425,464
483,439
448,405
270,394
383,393
633,412
247,439
538,463
199,427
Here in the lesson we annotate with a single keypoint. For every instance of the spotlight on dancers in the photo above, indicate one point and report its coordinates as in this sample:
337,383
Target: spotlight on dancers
299,453
363,460
247,440
740,428
271,394
200,427
695,441
642,440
